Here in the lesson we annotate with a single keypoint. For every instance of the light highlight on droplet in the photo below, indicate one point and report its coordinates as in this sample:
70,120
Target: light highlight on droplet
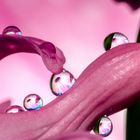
32,102
14,109
62,82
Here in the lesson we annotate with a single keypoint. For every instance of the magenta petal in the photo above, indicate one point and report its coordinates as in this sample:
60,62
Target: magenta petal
47,48
52,57
107,85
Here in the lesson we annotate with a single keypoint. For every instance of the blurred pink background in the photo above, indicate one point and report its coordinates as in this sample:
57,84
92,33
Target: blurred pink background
78,27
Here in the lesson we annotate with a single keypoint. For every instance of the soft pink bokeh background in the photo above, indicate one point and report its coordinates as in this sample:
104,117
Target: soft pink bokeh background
78,27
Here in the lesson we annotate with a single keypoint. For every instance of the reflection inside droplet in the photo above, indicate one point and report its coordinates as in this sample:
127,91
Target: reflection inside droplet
119,39
62,82
115,39
12,30
103,126
32,102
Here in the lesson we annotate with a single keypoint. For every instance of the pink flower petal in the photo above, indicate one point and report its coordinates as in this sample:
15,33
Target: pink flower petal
107,85
10,45
77,136
52,56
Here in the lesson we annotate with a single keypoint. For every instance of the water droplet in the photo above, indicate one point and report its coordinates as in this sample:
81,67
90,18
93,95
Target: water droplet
114,39
14,109
32,102
61,82
12,30
103,126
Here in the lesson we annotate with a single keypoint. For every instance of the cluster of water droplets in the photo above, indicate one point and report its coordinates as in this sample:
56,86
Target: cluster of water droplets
59,83
62,82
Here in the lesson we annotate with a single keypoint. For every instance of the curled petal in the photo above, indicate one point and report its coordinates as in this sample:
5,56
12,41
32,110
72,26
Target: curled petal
52,56
107,85
12,44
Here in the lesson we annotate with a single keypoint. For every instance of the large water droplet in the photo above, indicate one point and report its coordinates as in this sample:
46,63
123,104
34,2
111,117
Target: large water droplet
61,82
32,102
103,126
12,30
114,39
14,109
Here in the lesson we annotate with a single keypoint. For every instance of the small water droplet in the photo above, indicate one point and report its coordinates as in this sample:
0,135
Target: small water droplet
32,102
14,109
61,82
103,126
12,30
114,39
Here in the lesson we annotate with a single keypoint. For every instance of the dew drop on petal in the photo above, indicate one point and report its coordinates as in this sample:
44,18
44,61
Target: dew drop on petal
14,109
114,39
32,102
61,82
103,126
12,30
